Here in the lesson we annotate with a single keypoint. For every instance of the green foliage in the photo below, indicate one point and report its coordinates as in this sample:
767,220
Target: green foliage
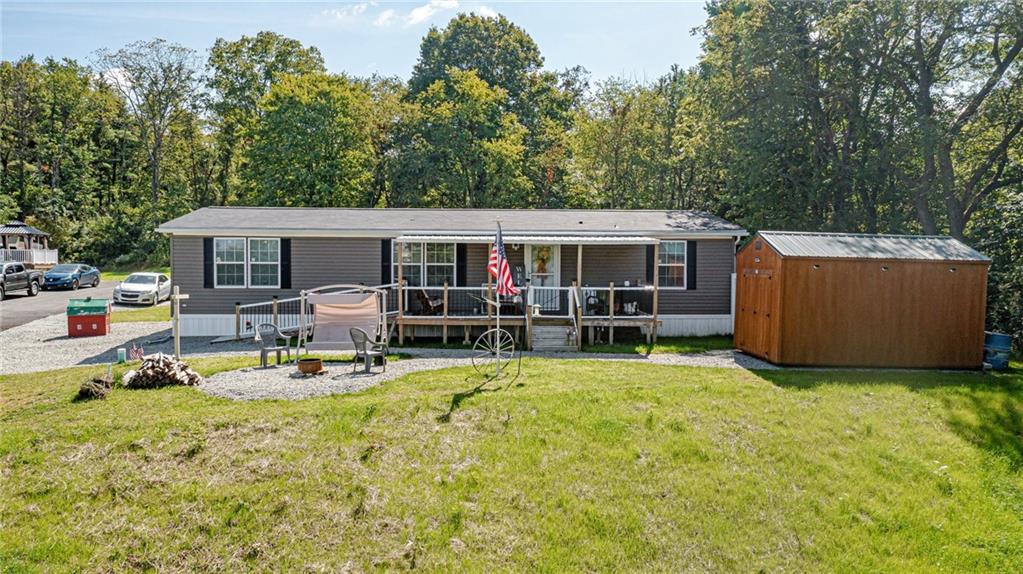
241,74
313,145
845,116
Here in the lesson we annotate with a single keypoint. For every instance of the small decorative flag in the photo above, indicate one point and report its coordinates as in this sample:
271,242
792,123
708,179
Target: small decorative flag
499,268
136,353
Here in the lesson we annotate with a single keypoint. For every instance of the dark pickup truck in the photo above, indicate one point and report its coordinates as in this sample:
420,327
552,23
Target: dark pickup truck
17,277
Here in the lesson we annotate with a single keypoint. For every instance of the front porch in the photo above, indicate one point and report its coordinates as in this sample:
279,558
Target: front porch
584,284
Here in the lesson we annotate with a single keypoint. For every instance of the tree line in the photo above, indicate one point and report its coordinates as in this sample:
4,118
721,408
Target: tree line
881,117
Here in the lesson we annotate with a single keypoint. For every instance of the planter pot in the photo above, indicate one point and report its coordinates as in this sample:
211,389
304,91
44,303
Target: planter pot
310,366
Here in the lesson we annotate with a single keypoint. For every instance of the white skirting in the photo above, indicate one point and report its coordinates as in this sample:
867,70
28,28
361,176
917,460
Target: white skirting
694,325
207,325
671,326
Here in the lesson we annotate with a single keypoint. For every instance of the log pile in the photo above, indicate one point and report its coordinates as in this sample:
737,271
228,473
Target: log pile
160,370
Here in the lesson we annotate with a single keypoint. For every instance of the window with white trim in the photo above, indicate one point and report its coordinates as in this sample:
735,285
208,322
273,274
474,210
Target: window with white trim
671,269
425,264
229,267
265,263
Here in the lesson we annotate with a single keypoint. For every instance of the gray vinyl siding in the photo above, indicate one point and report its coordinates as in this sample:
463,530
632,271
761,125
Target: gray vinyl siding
315,262
323,261
713,292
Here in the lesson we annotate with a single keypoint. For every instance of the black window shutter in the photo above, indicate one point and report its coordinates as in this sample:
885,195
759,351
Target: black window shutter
460,261
207,262
385,261
690,265
651,265
286,263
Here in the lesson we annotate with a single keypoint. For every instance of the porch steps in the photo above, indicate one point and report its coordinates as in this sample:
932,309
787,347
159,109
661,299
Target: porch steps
553,339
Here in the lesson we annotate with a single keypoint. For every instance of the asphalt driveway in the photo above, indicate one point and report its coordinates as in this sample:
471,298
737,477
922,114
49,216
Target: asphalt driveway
18,308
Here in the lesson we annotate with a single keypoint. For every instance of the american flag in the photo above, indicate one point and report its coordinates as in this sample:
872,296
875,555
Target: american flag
499,268
136,353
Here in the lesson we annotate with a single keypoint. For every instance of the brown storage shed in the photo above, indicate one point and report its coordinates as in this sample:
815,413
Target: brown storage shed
856,300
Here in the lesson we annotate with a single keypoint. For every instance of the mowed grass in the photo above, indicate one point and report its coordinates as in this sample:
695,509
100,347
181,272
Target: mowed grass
573,466
145,314
675,345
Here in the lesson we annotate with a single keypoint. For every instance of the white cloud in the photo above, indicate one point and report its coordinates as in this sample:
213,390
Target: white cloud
486,12
384,19
423,13
346,12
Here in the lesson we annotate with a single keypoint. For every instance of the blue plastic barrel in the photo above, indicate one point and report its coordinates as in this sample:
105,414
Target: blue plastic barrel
997,347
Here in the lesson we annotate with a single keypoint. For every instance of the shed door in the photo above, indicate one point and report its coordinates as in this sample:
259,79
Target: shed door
756,311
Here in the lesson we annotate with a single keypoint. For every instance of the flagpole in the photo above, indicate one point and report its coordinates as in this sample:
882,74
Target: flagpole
497,299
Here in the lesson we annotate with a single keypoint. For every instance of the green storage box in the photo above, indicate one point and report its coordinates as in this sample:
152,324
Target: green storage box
87,306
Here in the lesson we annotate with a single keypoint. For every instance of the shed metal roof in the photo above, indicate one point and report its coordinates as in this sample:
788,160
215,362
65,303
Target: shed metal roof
867,246
20,228
344,222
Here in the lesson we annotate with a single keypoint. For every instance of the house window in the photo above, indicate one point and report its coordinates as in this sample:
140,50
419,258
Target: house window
229,270
425,264
265,263
440,263
671,269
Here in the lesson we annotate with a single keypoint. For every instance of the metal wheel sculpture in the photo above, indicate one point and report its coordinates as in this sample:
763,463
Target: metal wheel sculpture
494,347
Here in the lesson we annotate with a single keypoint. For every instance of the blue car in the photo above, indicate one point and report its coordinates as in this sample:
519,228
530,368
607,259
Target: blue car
71,276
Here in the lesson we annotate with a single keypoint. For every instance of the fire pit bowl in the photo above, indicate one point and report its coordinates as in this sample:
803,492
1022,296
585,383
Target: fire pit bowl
310,366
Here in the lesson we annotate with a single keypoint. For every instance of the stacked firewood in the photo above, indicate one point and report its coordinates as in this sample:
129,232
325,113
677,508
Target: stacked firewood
160,370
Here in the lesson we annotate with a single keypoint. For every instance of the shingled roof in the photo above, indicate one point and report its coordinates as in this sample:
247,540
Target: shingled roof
287,221
20,228
867,246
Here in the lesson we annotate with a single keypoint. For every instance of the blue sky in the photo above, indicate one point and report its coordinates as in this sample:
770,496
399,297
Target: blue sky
638,40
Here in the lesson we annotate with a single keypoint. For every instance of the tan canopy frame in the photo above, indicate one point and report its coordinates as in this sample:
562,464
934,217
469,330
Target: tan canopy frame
327,318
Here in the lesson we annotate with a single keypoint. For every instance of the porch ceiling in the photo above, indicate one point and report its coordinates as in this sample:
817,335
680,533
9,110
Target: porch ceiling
536,239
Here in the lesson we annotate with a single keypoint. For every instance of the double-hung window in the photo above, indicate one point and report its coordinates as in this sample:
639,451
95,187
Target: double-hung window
229,270
671,269
264,263
242,263
425,264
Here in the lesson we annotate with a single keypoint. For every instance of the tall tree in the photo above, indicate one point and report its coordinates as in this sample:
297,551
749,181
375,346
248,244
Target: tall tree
313,144
960,66
241,73
157,80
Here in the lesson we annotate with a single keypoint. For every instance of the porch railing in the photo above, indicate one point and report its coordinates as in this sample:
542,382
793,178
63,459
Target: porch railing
33,256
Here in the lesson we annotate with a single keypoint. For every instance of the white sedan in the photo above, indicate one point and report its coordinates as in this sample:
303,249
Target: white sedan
148,288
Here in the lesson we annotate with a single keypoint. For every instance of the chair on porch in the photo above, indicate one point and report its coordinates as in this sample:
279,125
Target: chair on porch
428,305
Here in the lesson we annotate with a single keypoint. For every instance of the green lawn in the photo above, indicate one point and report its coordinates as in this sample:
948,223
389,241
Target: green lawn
122,274
151,313
574,466
677,345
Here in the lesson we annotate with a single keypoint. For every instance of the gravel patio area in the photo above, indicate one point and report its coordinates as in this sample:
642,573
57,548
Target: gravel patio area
286,383
43,345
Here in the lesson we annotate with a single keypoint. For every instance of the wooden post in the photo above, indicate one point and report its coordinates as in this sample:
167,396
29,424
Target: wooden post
401,292
529,328
657,283
444,327
176,325
273,311
611,313
579,264
578,312
237,321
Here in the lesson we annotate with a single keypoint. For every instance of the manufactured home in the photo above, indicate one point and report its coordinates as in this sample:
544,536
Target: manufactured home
857,300
588,271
